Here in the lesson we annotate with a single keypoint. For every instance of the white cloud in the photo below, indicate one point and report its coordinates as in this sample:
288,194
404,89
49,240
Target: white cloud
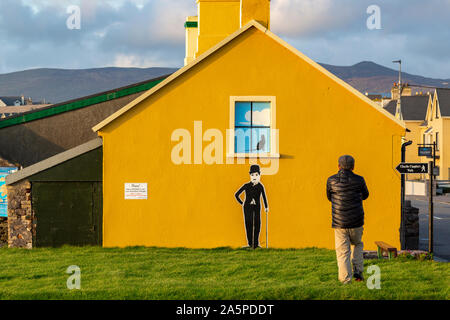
260,118
134,61
306,17
150,32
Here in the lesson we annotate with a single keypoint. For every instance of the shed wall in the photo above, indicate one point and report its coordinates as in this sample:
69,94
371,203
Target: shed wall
58,206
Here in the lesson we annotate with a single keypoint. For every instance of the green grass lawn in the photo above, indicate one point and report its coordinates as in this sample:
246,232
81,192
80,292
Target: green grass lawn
157,273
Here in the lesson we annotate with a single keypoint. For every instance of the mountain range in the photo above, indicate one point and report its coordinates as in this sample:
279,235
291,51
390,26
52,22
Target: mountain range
370,77
58,85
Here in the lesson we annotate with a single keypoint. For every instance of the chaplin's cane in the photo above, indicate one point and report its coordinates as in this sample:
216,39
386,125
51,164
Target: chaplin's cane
267,230
253,231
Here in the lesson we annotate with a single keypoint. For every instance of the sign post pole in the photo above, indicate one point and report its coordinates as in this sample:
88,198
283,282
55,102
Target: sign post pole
405,168
430,210
402,196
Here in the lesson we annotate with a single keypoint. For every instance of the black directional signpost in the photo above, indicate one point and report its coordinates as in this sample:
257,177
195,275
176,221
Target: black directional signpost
405,168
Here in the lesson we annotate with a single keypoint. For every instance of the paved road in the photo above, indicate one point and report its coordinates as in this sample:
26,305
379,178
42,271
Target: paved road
441,225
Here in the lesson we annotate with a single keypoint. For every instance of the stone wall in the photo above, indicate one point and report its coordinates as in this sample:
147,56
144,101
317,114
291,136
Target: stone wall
411,226
3,232
20,216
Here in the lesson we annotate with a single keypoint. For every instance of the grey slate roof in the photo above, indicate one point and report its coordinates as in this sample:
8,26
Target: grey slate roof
413,108
443,96
9,101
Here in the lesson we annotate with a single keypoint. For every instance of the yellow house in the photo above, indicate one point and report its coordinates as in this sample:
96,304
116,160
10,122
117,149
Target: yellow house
414,110
175,156
436,128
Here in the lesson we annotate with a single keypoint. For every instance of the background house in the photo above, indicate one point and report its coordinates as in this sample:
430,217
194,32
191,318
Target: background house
11,101
414,110
436,128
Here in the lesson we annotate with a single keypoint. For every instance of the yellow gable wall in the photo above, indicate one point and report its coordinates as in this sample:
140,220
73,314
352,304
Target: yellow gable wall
194,206
445,149
412,152
441,125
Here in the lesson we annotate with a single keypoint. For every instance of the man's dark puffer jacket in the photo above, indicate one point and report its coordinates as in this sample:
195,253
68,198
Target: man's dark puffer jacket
346,191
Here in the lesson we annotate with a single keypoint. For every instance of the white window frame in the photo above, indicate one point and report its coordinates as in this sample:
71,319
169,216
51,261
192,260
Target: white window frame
274,151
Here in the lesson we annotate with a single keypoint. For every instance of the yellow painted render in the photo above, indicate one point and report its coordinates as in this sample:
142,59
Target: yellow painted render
191,41
445,149
258,10
193,206
442,126
217,20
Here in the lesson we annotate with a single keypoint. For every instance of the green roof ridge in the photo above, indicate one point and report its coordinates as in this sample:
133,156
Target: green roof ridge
78,104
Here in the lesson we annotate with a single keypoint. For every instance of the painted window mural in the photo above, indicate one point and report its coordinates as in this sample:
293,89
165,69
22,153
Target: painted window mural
3,198
252,127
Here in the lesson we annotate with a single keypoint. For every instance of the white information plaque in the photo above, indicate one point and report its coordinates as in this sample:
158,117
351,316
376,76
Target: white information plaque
135,191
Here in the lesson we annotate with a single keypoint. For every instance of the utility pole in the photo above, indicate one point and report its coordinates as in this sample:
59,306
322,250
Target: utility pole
398,112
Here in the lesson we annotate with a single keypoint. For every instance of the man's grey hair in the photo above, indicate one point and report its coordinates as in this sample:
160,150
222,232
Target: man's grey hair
347,162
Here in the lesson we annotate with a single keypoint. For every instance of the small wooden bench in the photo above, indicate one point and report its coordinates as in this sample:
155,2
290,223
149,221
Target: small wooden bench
384,247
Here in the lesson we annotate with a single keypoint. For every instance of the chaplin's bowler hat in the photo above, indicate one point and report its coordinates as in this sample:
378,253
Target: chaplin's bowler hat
255,168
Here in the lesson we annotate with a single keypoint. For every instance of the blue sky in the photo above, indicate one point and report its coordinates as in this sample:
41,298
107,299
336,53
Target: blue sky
148,33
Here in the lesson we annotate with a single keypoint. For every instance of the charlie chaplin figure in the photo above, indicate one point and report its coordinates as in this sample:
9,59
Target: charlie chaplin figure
252,205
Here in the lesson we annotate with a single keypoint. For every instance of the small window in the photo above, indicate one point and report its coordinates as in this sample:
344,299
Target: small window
253,126
437,140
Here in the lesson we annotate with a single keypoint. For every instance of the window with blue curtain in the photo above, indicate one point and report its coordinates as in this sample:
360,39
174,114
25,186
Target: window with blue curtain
252,127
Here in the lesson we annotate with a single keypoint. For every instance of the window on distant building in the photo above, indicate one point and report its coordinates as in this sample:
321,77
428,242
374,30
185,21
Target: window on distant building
437,140
253,125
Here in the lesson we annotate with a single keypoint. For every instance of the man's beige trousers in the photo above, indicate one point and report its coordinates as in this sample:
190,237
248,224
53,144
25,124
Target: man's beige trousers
343,239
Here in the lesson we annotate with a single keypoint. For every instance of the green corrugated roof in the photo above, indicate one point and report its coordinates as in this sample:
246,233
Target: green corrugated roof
80,103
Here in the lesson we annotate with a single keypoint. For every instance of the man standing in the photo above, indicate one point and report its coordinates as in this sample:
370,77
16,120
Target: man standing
346,191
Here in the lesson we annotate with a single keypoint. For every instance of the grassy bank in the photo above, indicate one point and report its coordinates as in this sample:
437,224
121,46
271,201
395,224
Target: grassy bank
154,273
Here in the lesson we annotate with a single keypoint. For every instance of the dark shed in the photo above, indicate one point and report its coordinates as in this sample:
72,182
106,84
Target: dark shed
58,201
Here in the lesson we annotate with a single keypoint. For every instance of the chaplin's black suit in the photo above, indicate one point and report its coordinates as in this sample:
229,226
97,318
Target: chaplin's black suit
252,210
